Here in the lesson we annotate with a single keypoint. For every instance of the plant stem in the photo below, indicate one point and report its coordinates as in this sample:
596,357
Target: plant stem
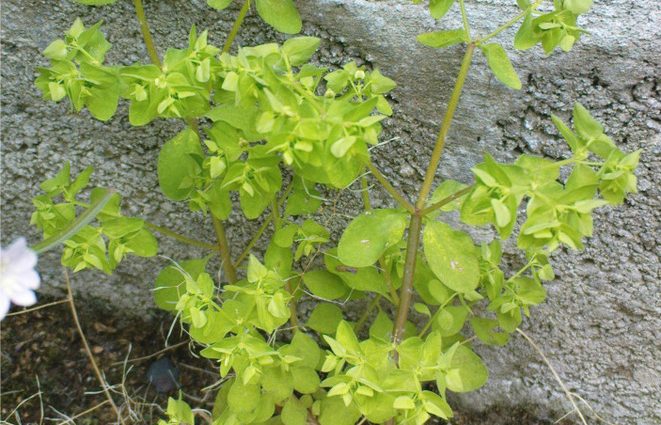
90,356
39,307
436,313
509,23
174,235
225,253
83,220
365,193
445,127
415,225
363,318
433,207
390,189
262,228
464,19
236,26
406,291
146,35
253,241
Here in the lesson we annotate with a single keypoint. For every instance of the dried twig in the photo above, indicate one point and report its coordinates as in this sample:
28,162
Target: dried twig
88,351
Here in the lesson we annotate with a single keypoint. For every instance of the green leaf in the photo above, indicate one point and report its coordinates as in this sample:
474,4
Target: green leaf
451,320
380,84
305,380
369,235
439,8
176,166
500,65
143,244
170,282
325,318
335,412
439,39
485,330
467,372
435,405
325,284
586,126
294,412
451,256
300,49
404,403
280,14
219,4
347,338
382,327
577,6
56,50
243,398
525,37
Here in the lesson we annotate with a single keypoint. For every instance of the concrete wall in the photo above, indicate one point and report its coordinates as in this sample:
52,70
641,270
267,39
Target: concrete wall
601,324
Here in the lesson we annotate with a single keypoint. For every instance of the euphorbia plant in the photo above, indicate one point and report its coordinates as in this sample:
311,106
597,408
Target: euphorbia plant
270,132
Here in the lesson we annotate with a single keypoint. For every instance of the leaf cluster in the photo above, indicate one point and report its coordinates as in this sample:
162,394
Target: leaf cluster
101,245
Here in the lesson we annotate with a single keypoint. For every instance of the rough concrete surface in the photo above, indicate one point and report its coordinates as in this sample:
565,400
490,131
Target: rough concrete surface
601,325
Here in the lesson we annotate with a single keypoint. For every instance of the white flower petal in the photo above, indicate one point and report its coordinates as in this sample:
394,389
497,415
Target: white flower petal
4,305
18,256
29,279
23,297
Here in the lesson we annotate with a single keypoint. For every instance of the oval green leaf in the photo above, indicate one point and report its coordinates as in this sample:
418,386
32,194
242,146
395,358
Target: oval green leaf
451,256
176,166
280,14
325,284
500,65
369,235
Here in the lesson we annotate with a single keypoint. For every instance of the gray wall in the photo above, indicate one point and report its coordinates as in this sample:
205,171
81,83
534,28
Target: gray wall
601,324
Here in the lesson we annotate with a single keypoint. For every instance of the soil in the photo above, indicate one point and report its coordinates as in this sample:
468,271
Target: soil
46,377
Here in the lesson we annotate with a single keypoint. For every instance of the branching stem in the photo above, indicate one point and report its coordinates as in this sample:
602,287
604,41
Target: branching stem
443,202
415,225
401,200
181,238
509,23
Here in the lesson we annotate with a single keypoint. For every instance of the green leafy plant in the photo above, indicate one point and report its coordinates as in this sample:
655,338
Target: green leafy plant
279,132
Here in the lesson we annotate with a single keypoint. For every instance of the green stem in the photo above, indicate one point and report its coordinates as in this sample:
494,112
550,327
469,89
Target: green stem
464,19
181,238
390,189
146,35
236,26
83,220
433,207
244,254
415,225
225,252
361,322
436,313
406,291
445,127
262,229
509,23
364,192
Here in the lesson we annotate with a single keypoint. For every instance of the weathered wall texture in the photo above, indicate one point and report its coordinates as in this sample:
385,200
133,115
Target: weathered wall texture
601,325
